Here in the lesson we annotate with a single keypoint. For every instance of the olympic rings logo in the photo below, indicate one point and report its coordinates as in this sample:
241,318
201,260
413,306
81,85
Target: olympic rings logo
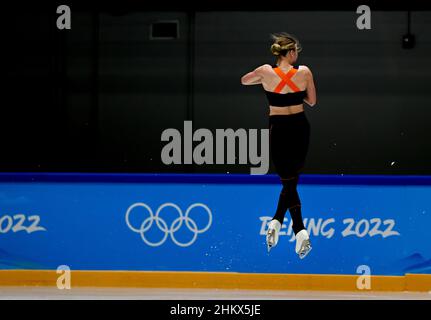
162,225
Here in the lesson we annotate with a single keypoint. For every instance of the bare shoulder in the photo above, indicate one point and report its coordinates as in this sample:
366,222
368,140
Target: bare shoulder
305,69
264,68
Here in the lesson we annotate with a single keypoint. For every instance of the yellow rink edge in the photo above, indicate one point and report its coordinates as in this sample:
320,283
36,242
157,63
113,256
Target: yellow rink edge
215,280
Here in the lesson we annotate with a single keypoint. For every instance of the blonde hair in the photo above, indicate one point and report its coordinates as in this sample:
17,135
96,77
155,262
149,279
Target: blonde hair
283,43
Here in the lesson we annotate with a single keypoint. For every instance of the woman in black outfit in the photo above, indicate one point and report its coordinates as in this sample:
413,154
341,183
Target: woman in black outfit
287,86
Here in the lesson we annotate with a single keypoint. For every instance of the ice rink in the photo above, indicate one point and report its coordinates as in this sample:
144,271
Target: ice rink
52,293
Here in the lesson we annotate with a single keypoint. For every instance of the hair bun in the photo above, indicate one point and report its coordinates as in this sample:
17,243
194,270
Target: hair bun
275,49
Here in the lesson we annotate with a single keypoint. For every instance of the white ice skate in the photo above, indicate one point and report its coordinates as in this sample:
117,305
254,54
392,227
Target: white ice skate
303,245
274,227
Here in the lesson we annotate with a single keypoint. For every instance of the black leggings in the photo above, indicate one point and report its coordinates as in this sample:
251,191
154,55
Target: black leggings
289,137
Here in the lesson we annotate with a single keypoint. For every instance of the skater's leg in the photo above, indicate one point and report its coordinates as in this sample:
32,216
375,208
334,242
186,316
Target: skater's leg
289,200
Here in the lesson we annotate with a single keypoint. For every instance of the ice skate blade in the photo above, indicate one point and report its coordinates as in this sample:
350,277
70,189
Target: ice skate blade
270,239
304,253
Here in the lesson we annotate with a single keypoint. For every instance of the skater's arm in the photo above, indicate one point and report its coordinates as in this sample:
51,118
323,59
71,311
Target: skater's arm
253,77
311,98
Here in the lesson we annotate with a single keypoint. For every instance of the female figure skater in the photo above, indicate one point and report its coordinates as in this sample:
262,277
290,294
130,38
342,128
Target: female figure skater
287,86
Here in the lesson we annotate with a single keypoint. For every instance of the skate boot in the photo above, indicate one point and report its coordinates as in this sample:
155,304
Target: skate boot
303,245
274,227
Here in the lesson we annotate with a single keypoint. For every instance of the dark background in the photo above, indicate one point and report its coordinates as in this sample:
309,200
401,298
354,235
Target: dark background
96,98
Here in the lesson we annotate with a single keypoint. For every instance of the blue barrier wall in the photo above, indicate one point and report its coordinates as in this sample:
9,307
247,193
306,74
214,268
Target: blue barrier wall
212,223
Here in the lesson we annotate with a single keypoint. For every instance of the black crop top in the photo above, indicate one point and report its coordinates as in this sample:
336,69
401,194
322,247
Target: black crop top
285,99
